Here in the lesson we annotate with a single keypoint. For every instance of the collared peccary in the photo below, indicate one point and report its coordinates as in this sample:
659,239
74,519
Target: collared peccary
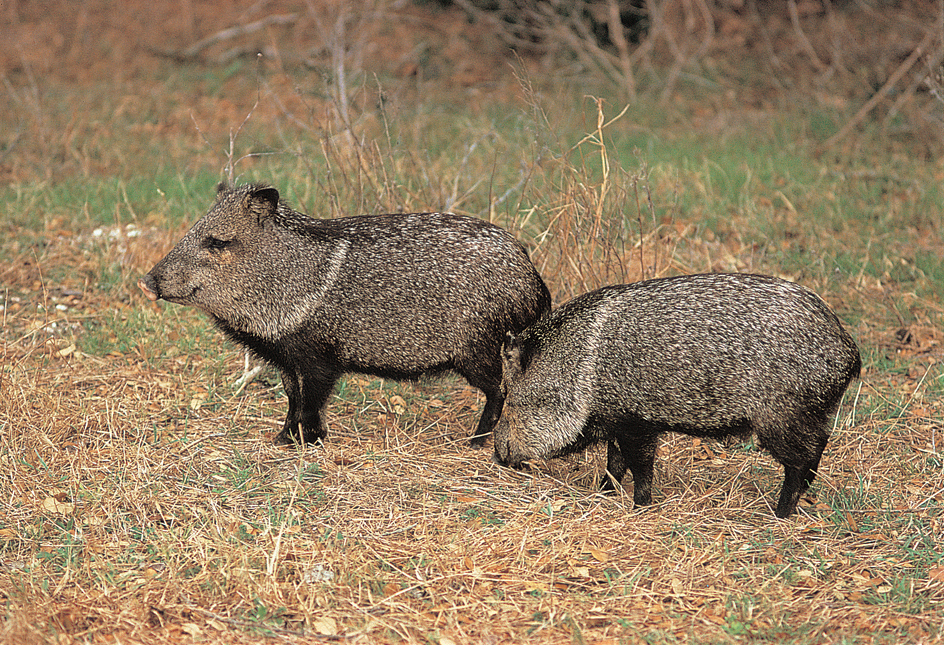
705,355
396,296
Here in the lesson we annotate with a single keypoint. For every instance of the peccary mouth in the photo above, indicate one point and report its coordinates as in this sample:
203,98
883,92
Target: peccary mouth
149,287
511,462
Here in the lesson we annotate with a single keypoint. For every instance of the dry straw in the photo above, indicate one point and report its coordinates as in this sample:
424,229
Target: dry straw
141,500
133,506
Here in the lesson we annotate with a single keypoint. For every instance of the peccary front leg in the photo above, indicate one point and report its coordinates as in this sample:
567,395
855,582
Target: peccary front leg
307,398
636,453
292,387
615,467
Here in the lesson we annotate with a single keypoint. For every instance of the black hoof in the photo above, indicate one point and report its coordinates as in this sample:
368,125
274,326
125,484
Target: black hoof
291,439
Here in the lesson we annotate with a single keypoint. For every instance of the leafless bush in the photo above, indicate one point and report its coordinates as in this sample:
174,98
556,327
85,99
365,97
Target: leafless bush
614,37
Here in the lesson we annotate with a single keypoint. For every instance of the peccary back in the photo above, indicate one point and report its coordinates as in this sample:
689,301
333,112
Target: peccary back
397,296
705,355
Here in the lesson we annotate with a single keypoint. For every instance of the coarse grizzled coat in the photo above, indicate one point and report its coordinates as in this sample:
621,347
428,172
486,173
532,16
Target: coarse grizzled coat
704,355
396,296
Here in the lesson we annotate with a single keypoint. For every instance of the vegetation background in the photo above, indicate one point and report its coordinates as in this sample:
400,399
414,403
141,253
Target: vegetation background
140,498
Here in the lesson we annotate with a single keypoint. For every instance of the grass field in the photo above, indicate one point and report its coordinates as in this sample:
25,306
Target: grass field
141,499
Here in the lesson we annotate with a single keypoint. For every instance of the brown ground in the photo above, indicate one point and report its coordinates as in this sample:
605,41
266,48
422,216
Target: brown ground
140,499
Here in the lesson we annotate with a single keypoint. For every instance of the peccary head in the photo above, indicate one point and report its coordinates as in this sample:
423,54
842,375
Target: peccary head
541,416
233,261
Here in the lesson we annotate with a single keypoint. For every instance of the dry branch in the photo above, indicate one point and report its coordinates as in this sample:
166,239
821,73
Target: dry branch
877,98
194,51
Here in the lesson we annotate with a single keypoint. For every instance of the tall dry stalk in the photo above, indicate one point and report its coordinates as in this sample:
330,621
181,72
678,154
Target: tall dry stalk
593,214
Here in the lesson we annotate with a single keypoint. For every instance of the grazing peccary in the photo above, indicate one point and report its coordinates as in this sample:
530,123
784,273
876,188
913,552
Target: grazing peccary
396,296
705,355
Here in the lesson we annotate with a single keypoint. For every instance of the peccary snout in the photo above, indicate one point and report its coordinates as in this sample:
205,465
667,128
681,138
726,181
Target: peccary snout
148,285
704,355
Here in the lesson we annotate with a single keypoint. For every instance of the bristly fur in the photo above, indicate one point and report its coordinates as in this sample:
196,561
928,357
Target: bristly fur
705,355
392,295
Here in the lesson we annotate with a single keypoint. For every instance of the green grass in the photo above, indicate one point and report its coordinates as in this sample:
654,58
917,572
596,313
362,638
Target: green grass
181,509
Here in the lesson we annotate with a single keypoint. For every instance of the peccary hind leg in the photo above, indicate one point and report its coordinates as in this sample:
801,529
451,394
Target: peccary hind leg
307,398
481,375
796,481
799,449
615,467
494,401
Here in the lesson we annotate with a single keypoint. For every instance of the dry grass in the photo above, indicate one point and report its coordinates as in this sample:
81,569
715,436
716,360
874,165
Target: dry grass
141,507
141,500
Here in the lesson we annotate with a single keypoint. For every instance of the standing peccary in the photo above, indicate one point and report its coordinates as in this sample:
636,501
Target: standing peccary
396,296
705,355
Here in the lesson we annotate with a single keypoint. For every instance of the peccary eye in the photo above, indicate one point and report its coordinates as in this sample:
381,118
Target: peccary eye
216,244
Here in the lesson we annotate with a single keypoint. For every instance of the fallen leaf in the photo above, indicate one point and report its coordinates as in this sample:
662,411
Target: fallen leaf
217,625
191,629
853,526
398,404
598,554
65,351
326,626
715,618
53,505
936,574
318,574
677,588
555,506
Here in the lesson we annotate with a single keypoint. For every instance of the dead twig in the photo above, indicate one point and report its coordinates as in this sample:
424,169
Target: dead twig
880,95
194,51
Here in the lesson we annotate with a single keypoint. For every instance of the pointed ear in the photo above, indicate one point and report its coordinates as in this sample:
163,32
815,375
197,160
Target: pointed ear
511,354
266,194
263,201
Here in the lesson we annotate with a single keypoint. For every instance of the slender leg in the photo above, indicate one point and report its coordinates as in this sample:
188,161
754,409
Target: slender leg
796,481
494,402
640,462
307,397
615,467
486,377
292,387
315,393
792,489
639,454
